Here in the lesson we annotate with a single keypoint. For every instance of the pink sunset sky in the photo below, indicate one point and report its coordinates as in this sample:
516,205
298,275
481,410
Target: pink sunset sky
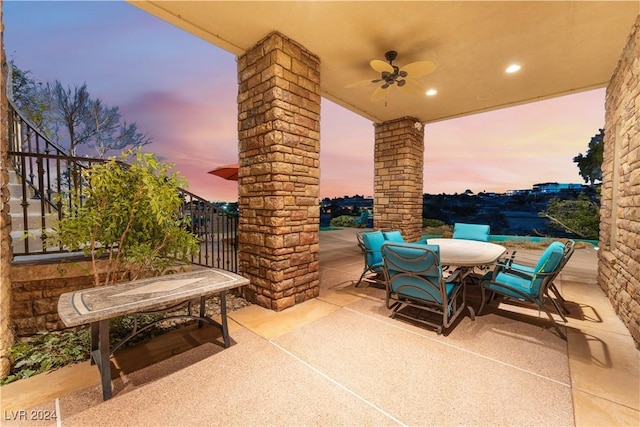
182,92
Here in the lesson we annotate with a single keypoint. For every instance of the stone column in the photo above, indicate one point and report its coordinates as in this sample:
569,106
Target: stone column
279,175
397,184
6,333
618,261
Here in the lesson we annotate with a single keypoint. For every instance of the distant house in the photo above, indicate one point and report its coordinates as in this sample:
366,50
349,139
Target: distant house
554,187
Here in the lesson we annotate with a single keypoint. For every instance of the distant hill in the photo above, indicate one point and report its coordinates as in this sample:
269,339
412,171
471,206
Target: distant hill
514,213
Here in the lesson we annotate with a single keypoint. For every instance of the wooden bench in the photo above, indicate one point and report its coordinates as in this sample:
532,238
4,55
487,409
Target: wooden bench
99,304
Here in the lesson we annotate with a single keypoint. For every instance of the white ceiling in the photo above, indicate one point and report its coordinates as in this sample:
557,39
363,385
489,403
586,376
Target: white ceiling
562,46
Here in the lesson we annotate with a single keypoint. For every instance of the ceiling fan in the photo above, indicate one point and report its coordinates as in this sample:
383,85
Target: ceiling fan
405,78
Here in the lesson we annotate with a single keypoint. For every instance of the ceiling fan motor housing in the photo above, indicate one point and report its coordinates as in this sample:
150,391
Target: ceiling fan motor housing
391,56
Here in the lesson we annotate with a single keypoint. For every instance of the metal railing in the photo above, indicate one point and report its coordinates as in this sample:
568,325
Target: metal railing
45,173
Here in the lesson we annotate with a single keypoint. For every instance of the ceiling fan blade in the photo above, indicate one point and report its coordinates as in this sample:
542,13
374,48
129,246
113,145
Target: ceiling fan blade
412,87
381,66
360,83
419,69
379,94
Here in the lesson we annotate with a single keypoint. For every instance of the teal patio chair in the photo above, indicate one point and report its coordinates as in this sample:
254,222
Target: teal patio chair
557,299
370,244
363,221
479,232
415,286
526,284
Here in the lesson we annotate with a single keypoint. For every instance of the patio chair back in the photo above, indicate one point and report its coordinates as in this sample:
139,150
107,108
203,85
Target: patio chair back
479,232
370,244
559,301
414,271
528,284
413,277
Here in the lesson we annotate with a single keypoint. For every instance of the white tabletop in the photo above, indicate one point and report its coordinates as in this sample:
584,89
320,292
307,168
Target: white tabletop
467,253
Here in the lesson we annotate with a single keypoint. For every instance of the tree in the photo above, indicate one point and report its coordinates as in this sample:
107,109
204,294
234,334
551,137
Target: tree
110,134
28,95
580,216
128,216
69,117
70,107
590,165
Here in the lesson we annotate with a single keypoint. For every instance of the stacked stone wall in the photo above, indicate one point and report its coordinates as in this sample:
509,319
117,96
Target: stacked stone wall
398,182
279,174
36,288
619,255
6,334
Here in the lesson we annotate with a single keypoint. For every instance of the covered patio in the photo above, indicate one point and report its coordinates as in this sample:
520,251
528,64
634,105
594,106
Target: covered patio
340,360
290,54
315,350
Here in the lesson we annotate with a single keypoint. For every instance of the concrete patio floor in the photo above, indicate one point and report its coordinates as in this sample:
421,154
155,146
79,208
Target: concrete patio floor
340,360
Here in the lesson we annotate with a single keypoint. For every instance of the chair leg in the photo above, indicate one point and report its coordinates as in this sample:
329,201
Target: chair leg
483,299
558,309
553,321
361,277
560,299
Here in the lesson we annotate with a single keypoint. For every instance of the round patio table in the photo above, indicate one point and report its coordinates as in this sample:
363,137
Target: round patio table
467,253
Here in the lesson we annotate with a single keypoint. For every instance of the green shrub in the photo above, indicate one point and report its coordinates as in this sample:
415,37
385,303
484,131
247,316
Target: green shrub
128,215
52,350
428,222
435,227
344,221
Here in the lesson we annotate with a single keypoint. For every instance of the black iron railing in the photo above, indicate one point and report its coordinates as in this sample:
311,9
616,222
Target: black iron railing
46,173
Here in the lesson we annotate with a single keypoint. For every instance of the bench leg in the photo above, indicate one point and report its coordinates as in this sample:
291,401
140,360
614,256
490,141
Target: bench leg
100,353
223,319
203,311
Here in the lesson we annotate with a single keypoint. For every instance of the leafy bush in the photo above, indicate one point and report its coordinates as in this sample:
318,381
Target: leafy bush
344,221
52,350
128,214
42,353
580,217
428,222
436,227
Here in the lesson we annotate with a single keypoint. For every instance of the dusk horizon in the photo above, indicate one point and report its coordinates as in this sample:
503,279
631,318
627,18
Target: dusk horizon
182,91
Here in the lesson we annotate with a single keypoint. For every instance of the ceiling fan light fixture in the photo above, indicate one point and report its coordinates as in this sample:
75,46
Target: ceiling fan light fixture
513,68
431,92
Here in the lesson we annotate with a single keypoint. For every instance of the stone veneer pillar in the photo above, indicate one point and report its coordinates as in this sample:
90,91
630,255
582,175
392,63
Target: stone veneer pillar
397,184
279,175
619,259
6,332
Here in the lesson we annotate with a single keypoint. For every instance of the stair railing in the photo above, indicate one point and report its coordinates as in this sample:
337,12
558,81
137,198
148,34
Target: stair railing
46,173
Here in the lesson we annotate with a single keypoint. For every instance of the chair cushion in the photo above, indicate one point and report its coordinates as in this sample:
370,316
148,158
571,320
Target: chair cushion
550,258
548,262
512,281
478,232
393,236
414,287
402,257
414,272
523,268
372,242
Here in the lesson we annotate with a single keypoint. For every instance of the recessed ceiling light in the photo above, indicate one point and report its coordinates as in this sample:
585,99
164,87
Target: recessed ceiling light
431,92
513,68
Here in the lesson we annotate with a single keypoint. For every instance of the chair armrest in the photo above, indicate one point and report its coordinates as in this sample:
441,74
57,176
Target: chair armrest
453,276
506,260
